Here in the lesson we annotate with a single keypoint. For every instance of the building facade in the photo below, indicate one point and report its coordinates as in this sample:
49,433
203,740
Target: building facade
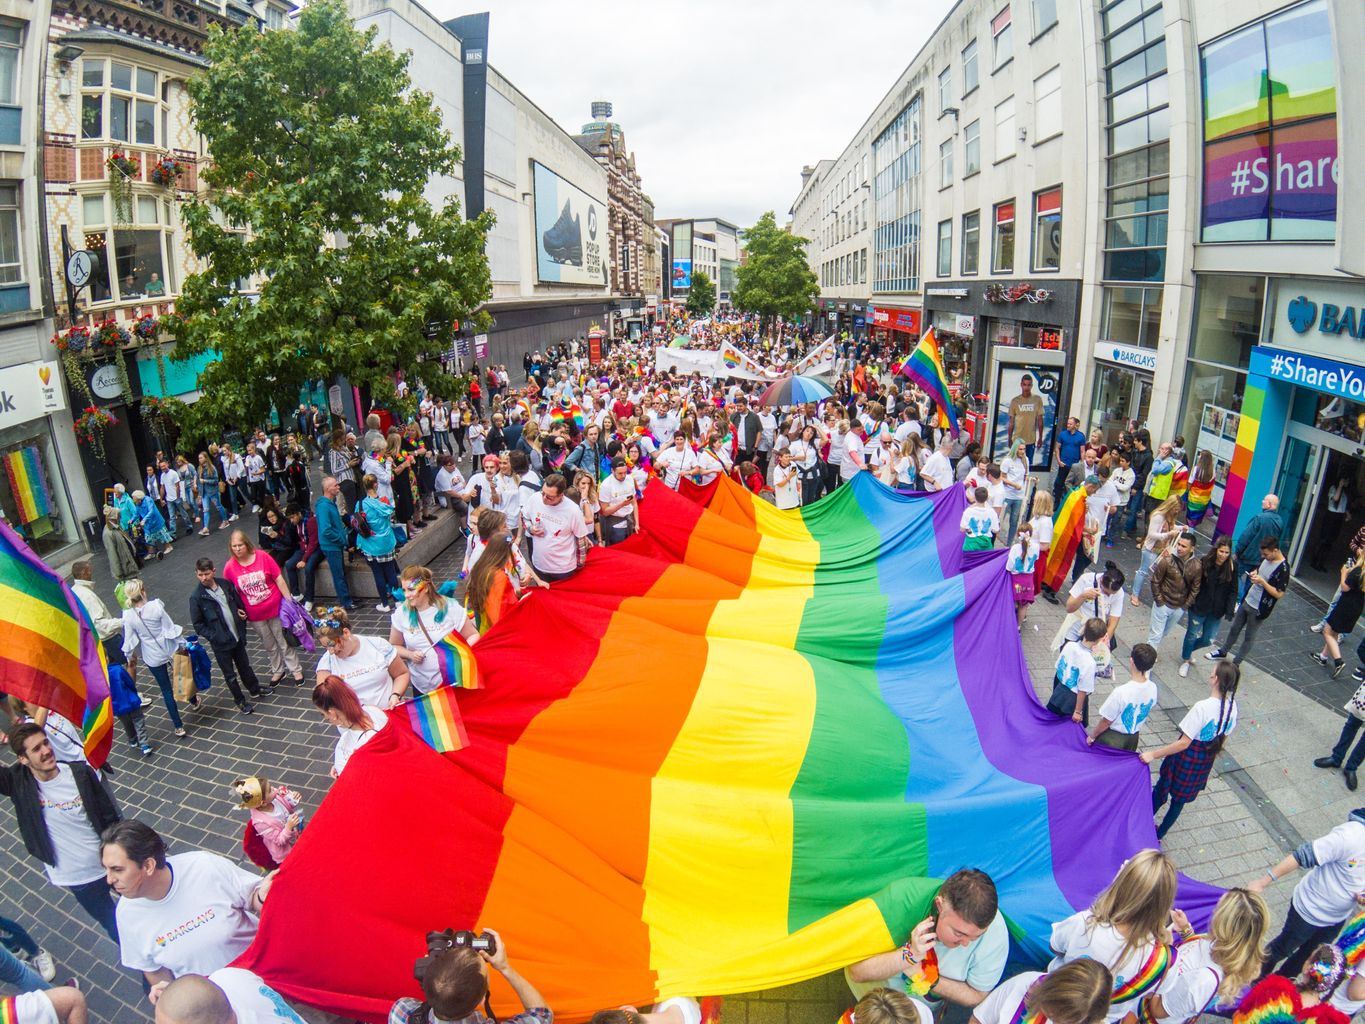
1110,197
549,251
708,244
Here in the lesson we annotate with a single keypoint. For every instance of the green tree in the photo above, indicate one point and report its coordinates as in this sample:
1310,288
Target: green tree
320,154
701,297
776,280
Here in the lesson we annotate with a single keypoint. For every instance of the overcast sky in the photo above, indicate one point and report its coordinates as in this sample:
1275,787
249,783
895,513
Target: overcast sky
722,101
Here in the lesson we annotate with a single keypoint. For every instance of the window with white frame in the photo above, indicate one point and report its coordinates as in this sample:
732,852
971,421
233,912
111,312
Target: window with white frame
1004,129
971,242
1047,105
945,89
1047,230
274,17
945,248
971,149
945,164
11,49
134,260
11,263
971,73
119,102
1044,15
1003,35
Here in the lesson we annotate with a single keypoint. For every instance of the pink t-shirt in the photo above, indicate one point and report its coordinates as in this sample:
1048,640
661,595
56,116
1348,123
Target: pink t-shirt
255,582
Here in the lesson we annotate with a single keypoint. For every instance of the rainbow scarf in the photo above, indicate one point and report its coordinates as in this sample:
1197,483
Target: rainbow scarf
1351,941
1067,524
456,661
769,733
1146,978
1201,493
27,484
571,414
925,368
435,718
49,653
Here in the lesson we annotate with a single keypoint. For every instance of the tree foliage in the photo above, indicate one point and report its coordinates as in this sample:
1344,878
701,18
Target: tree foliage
320,154
701,297
776,280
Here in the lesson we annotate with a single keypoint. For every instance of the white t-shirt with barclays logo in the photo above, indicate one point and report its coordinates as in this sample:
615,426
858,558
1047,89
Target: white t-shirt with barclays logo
201,925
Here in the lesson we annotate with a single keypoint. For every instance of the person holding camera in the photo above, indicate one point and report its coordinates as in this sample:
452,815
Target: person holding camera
454,980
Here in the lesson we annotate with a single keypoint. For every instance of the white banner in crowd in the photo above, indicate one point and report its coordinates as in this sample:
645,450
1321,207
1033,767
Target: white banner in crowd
729,361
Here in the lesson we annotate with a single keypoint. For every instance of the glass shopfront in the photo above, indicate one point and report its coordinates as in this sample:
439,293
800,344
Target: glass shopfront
32,491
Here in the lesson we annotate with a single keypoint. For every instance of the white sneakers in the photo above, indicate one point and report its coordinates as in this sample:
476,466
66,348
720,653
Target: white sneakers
43,963
1184,669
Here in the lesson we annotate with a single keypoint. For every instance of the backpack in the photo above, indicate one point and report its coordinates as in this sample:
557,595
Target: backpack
360,523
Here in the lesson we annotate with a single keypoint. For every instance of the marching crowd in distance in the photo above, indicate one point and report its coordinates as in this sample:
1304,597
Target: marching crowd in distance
537,475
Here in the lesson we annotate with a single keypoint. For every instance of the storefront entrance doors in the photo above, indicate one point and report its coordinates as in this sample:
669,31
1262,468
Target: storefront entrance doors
1321,484
1121,395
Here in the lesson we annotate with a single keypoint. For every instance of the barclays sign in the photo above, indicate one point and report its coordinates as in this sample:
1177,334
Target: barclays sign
1304,314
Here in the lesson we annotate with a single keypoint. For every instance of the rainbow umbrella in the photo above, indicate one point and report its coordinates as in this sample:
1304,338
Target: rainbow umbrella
795,390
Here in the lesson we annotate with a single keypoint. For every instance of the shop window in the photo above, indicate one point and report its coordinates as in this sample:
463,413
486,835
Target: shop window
1131,316
971,75
1228,312
971,242
945,89
1044,15
1047,230
1002,34
33,502
1004,129
971,149
1211,413
945,164
945,248
1337,415
1002,247
1047,105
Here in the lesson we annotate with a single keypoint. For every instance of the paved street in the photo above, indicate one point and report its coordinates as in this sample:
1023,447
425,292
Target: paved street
1263,799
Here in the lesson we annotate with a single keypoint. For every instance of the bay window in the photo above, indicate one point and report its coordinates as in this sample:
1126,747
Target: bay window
119,102
134,261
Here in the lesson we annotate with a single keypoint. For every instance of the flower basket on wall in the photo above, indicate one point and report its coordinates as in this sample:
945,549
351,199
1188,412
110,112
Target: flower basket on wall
123,170
166,172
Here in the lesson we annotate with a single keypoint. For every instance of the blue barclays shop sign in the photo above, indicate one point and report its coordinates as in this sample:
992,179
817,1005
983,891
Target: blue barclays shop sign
1303,315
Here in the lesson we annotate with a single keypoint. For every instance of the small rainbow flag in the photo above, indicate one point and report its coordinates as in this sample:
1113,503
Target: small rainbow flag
456,660
435,718
1066,538
1351,941
925,368
49,653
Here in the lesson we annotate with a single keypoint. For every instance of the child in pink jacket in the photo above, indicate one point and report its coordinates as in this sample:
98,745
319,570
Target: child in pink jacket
274,813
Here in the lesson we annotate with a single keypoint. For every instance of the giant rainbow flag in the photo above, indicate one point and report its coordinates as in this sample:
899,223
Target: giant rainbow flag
49,653
736,751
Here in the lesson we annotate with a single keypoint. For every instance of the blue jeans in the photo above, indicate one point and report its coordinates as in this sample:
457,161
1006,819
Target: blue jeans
209,500
16,938
177,508
1144,572
162,675
336,563
1013,509
14,971
1163,620
1134,503
97,901
1201,631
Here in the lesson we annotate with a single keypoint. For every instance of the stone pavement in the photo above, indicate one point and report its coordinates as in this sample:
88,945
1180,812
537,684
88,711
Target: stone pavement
1263,799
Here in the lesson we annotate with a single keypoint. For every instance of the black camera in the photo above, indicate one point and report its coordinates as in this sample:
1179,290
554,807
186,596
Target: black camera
440,942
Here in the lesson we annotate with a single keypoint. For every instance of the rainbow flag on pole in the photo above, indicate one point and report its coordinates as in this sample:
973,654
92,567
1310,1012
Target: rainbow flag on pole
1067,524
925,368
456,660
435,718
49,653
693,771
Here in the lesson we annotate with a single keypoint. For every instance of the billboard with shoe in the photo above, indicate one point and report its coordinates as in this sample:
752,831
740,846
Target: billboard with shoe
570,230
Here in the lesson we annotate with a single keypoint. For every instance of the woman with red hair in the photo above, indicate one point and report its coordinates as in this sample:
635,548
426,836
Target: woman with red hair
356,723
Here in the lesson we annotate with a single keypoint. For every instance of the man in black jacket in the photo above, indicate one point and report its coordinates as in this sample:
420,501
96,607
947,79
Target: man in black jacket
62,807
218,616
747,428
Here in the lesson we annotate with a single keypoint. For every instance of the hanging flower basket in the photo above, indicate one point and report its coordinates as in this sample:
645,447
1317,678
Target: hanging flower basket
109,335
166,172
90,426
123,170
147,329
75,340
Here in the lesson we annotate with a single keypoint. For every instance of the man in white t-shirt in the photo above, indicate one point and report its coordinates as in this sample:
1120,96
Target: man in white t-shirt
855,459
450,484
617,497
937,474
559,536
192,913
227,996
971,944
177,504
1332,891
61,809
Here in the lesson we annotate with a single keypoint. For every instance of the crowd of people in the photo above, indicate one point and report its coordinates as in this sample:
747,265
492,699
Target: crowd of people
538,473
